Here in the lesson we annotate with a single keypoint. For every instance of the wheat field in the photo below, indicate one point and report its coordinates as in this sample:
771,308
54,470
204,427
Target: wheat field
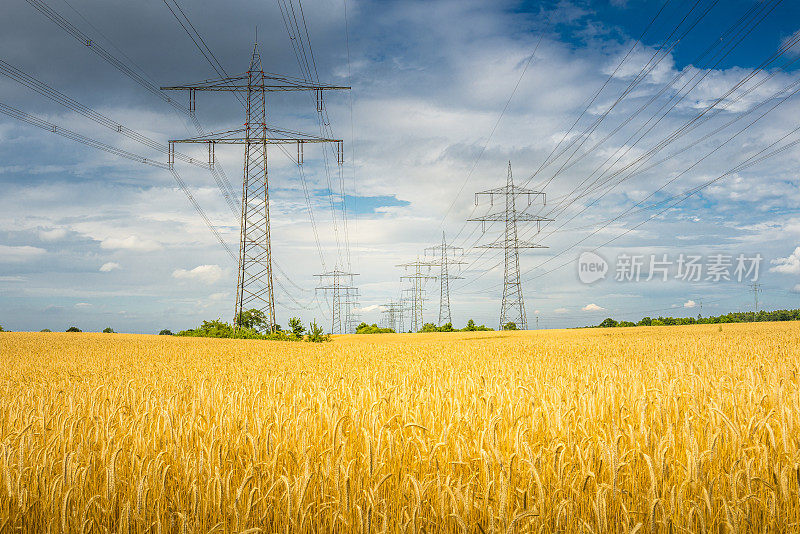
662,429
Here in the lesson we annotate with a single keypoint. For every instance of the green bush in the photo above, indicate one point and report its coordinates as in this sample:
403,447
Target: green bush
316,333
472,328
220,329
74,329
296,326
365,328
108,330
166,332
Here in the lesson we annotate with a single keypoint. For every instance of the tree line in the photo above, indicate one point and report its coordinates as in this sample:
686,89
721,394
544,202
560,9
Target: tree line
733,317
373,328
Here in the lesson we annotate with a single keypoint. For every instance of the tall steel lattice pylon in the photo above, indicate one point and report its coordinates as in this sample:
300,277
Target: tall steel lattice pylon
417,279
338,285
513,307
443,260
254,287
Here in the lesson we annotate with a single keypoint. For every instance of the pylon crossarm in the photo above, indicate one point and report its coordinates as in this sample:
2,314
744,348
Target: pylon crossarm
239,137
520,244
272,82
501,216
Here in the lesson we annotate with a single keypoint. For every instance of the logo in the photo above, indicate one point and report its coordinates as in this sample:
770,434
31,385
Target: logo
591,267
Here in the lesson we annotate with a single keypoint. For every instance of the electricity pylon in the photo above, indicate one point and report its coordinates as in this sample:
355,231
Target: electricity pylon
254,287
343,294
513,307
352,317
756,287
418,279
441,258
394,315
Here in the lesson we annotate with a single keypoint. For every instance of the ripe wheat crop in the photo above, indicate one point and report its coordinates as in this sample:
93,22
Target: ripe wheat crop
664,429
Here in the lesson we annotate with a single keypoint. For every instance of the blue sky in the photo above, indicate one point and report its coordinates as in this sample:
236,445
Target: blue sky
90,239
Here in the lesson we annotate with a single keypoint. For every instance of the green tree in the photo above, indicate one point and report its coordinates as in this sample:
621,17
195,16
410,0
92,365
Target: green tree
45,330
510,326
1,328
166,332
608,322
296,325
108,330
316,333
74,329
253,319
364,328
472,327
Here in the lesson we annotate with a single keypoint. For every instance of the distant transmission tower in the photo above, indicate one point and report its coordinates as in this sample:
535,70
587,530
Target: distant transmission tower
417,279
513,308
443,260
353,317
254,287
393,310
756,288
339,285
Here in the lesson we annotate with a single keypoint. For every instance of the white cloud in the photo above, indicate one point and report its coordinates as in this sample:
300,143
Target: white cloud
787,41
110,266
689,304
450,85
789,265
52,234
203,273
592,308
81,305
9,254
796,288
369,308
132,242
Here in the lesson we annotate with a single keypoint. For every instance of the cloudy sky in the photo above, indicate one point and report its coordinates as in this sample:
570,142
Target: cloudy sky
656,130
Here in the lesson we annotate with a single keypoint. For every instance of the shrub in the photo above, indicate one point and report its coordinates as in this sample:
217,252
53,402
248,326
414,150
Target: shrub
316,333
472,328
74,329
296,326
220,329
365,328
108,330
166,332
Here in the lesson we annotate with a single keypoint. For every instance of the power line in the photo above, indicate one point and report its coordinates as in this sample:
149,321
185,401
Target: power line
689,125
98,49
491,134
305,58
